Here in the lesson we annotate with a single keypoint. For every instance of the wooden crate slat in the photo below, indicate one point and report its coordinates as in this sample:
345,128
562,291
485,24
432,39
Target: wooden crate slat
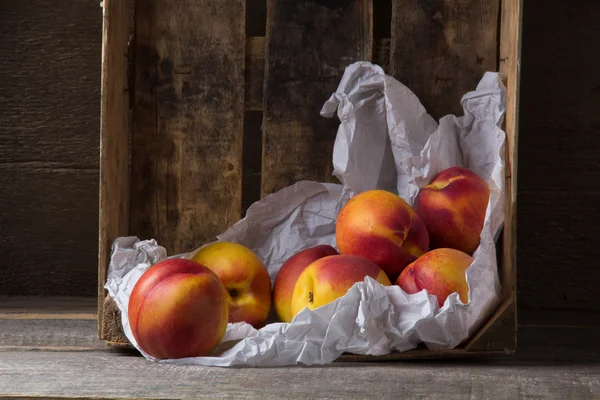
308,46
255,73
441,49
510,67
188,120
114,137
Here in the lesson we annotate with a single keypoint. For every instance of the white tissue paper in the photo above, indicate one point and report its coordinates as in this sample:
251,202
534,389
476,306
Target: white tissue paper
386,140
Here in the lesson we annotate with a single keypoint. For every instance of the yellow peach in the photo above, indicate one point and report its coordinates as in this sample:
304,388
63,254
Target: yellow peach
245,277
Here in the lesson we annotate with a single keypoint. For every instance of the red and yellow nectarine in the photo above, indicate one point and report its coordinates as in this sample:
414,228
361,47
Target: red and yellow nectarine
441,272
383,228
178,308
453,208
330,277
288,274
245,277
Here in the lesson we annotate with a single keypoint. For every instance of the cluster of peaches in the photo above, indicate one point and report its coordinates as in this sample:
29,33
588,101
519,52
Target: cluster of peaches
181,307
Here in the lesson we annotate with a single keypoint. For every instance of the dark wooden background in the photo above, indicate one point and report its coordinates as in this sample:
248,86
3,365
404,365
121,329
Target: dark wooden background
49,125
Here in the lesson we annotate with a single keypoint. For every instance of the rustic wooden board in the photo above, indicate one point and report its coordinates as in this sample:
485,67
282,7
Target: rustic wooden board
114,136
558,358
308,46
254,73
98,374
49,120
48,239
47,307
49,83
188,121
64,334
554,222
112,328
252,162
558,152
440,49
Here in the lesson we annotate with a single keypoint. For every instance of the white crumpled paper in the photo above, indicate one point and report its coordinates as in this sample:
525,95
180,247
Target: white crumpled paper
386,140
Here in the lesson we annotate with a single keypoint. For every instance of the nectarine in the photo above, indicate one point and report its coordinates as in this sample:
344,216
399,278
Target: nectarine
382,227
441,272
330,277
453,208
178,308
288,274
245,277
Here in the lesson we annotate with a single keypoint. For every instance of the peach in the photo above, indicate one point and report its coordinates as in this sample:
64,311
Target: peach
178,308
245,277
453,208
288,274
441,272
382,227
330,277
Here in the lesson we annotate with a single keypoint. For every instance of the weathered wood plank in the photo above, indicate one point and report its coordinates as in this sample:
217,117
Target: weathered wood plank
114,136
255,73
188,124
112,328
252,159
309,44
62,334
509,65
46,307
49,74
556,250
49,232
440,49
49,119
103,375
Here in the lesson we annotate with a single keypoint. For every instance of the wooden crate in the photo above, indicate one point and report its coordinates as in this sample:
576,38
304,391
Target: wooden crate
200,116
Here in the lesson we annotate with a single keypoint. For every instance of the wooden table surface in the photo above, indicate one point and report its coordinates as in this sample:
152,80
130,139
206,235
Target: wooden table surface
49,349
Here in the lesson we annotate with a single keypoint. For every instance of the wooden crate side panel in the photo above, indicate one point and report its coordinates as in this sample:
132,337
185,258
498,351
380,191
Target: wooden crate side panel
441,49
510,67
114,138
188,120
308,46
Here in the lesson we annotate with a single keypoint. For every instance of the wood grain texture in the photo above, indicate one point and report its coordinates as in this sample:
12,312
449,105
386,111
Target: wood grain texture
558,254
309,44
252,161
254,73
114,137
499,332
48,242
188,121
558,152
49,121
441,49
99,374
112,328
49,334
49,83
24,306
509,66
